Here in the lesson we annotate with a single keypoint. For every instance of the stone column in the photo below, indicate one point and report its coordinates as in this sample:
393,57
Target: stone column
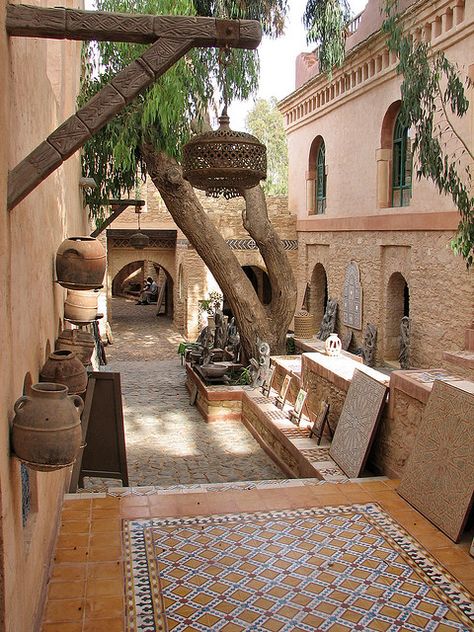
383,157
310,177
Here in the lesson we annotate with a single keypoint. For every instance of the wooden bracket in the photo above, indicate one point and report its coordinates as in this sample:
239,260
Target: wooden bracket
118,207
173,37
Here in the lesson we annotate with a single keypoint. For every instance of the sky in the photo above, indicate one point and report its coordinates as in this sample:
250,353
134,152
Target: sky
277,61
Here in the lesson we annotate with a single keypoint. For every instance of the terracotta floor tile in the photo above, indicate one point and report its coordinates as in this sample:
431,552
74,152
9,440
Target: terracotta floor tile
107,514
104,607
68,572
433,540
104,570
373,486
75,526
64,610
109,587
133,501
392,482
116,624
133,512
462,572
452,555
77,503
106,524
108,502
79,554
100,538
62,627
105,553
72,540
66,590
74,514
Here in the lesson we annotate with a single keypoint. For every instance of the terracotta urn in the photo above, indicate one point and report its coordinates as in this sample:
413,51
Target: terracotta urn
64,367
333,345
81,306
47,431
80,263
80,342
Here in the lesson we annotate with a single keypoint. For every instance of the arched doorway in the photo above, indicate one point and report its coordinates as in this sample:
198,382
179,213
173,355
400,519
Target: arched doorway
129,280
396,307
318,294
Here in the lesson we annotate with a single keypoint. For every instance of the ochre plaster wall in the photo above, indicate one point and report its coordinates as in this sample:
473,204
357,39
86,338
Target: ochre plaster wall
39,81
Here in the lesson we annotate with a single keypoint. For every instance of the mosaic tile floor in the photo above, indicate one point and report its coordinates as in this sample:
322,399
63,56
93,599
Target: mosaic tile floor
341,568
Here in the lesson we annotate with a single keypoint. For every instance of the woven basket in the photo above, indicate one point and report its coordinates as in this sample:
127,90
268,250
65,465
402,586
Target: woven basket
305,326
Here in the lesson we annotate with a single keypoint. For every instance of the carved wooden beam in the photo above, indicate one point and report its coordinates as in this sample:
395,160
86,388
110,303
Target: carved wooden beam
118,207
62,23
181,34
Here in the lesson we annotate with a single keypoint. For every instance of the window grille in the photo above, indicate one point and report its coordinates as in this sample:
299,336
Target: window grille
321,180
402,165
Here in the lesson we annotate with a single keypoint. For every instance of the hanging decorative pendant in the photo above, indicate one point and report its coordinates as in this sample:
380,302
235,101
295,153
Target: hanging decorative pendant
139,240
224,162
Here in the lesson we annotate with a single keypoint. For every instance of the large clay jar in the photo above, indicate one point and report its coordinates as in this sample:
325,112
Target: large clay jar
46,431
81,306
80,263
80,342
64,367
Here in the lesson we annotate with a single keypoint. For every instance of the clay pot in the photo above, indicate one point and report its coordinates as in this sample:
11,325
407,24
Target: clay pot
64,367
80,263
80,342
46,431
81,306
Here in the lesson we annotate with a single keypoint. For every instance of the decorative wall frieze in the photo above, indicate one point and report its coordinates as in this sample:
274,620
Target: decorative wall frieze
249,244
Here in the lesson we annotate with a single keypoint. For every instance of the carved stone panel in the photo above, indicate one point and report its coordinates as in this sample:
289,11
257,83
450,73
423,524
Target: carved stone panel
357,424
28,21
438,479
132,79
352,297
102,25
162,54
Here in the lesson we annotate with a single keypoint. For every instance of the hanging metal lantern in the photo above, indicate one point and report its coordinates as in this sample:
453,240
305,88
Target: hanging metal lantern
224,162
139,240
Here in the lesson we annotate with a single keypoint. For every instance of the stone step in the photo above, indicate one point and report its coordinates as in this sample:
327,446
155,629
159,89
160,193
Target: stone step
461,363
120,492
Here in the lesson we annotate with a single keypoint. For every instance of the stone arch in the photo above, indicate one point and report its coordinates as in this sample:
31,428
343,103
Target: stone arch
312,174
318,293
139,269
388,124
397,305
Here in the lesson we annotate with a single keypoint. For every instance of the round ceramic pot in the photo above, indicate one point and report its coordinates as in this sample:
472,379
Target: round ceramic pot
46,431
333,345
80,342
81,306
80,263
64,367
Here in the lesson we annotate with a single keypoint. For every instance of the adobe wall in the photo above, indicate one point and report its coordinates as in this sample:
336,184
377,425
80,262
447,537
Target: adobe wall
39,81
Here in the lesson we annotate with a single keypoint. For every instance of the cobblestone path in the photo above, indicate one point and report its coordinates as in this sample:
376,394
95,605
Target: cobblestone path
167,440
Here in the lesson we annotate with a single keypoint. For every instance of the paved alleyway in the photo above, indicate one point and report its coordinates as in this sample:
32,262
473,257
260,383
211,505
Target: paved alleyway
168,442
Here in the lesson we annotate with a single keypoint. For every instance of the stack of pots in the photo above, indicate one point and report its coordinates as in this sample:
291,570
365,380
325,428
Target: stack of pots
80,267
64,367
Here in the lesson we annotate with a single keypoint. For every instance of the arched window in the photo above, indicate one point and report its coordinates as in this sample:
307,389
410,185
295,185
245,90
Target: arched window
401,165
321,180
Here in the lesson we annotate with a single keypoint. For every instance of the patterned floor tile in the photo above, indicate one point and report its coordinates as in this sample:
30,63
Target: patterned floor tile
349,567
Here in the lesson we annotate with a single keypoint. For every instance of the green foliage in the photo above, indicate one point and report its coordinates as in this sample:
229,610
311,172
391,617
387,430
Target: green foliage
163,113
271,13
266,123
326,23
432,94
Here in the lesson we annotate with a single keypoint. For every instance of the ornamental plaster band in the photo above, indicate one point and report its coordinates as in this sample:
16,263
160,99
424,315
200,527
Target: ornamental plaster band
173,37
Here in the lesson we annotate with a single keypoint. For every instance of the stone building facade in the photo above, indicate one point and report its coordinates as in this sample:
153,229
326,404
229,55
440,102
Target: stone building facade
40,82
188,279
341,179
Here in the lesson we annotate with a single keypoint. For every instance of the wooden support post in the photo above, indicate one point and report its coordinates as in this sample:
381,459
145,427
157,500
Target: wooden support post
174,36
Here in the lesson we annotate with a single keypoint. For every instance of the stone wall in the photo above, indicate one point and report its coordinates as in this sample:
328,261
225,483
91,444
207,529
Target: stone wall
40,80
440,288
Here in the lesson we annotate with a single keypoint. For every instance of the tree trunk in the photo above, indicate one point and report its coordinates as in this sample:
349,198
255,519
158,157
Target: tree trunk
255,321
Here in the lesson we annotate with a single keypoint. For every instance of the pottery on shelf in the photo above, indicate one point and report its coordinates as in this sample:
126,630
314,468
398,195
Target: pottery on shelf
81,306
333,345
46,432
80,263
64,367
80,342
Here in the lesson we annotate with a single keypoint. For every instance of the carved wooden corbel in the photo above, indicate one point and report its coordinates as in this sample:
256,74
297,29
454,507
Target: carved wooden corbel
173,37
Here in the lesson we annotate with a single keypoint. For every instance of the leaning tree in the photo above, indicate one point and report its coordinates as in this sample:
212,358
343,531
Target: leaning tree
147,137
